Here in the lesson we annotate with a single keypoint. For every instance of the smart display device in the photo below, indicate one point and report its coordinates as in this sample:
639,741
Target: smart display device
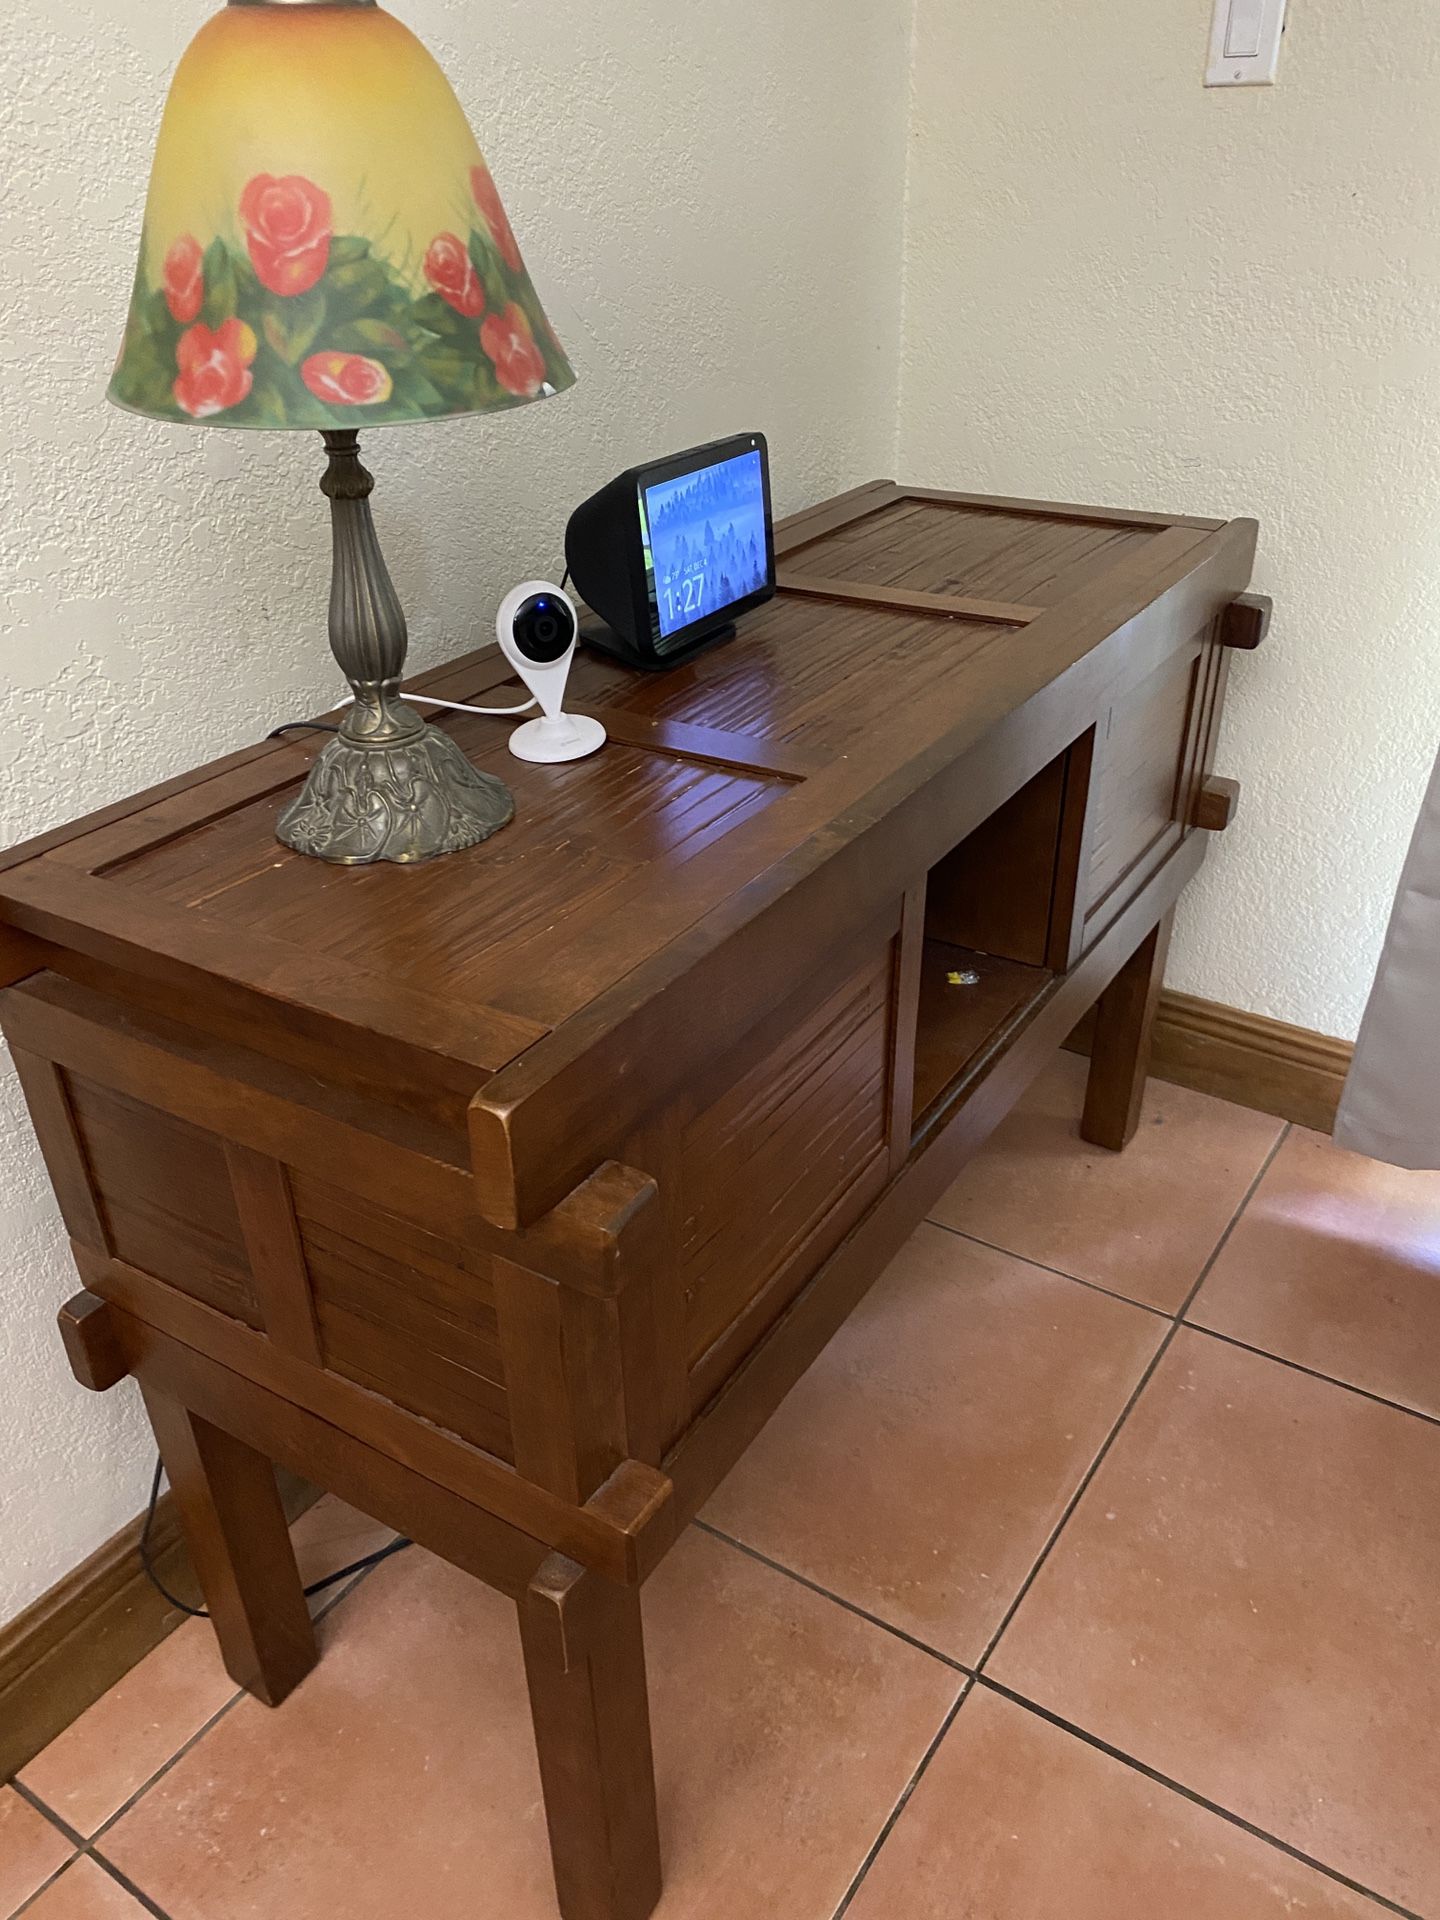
670,554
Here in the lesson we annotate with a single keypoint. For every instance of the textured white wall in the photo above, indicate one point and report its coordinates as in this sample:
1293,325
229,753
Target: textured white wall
710,200
1122,287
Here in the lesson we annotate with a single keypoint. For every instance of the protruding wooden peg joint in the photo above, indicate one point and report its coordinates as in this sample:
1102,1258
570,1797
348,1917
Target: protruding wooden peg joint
92,1342
1246,621
1215,804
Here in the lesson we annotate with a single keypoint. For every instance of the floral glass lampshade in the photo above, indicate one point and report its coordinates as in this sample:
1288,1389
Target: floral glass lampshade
323,243
324,247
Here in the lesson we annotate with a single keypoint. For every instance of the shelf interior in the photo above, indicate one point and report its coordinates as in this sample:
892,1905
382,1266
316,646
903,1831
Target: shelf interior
968,1002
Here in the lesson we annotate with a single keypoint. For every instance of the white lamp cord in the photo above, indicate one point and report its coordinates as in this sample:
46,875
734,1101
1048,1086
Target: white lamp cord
461,706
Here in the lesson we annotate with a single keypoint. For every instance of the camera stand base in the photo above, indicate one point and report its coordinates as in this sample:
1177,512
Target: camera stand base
563,736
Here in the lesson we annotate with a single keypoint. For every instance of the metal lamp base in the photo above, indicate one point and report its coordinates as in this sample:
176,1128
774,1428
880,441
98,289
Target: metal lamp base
387,787
395,800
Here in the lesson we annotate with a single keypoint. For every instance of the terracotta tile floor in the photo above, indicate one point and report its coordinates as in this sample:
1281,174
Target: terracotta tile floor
1093,1572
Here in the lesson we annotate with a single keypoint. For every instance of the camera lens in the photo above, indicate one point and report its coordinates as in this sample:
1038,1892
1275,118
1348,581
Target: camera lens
544,628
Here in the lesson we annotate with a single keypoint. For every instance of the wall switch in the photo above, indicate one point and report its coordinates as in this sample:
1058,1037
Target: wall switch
1245,43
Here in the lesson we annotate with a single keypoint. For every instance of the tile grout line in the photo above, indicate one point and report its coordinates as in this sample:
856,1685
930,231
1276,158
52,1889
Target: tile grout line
1314,1373
45,1885
1126,1299
825,1593
83,1850
88,1846
72,1834
184,1748
1176,1322
1188,1793
900,1805
136,1893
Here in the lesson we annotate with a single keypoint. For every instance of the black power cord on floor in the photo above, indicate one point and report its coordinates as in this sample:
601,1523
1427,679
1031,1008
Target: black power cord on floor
199,1613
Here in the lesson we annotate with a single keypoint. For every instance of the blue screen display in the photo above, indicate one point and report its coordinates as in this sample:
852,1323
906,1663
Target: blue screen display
707,540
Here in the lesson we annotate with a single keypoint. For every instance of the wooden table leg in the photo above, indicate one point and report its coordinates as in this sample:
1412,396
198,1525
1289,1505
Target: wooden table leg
234,1525
1120,1052
585,1663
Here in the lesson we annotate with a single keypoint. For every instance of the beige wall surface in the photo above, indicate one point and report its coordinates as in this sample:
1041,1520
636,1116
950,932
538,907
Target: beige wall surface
1122,287
710,200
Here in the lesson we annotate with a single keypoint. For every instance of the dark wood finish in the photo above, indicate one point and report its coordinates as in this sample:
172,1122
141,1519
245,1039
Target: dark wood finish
710,1446
18,957
70,1647
996,891
968,1003
507,1195
235,1526
52,1115
609,1533
948,606
1216,804
274,1249
92,1342
904,1040
1120,1050
1267,1065
1246,621
585,1665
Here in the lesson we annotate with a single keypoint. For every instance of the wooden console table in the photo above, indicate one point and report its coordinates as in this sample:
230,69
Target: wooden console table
507,1196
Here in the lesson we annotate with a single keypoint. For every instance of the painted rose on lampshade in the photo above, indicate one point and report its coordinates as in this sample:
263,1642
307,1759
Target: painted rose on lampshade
185,279
519,363
314,258
347,379
287,230
214,368
451,272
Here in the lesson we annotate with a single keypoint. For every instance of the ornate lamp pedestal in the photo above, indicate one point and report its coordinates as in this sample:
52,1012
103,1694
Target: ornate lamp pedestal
387,787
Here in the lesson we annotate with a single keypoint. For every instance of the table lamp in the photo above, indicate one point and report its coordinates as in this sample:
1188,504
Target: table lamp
324,247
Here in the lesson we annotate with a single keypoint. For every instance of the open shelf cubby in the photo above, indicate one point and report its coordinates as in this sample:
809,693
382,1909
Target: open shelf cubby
999,911
968,1003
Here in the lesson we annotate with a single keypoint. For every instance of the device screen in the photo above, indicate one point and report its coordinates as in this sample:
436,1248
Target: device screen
704,537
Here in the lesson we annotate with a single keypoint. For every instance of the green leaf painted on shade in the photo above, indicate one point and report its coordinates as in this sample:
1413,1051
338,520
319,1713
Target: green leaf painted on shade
485,389
347,247
292,325
267,403
412,389
437,316
485,259
369,336
221,286
358,286
447,370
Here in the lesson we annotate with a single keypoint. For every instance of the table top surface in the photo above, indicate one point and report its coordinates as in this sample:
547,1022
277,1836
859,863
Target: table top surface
907,626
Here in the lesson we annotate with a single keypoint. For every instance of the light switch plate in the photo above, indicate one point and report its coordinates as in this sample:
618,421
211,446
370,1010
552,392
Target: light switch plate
1245,43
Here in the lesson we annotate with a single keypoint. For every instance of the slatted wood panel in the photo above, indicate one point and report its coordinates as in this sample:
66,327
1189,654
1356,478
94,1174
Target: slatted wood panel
164,1190
932,548
782,1151
480,925
810,672
399,1313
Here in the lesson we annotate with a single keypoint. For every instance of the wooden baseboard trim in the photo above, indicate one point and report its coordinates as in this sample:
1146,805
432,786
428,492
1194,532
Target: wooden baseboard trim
1259,1063
92,1627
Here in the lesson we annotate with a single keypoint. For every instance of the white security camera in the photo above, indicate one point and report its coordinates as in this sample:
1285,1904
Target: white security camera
537,628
